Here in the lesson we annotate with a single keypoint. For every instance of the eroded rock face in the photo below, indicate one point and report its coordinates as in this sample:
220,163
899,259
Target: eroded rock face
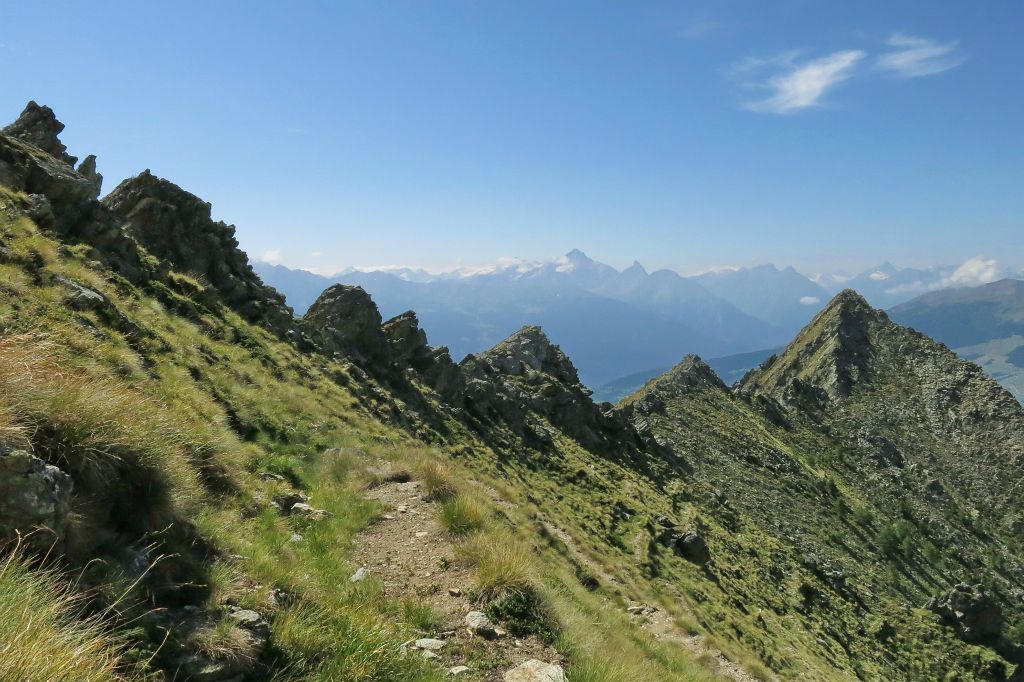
971,610
34,500
345,320
527,373
38,126
434,366
177,227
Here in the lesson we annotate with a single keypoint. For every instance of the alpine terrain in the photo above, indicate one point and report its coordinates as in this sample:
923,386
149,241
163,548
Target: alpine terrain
198,484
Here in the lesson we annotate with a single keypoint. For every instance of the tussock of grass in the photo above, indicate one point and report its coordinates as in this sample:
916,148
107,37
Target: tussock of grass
42,637
462,514
90,426
438,479
500,564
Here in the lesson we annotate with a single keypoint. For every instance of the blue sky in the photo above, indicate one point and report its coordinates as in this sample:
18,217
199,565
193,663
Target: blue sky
686,134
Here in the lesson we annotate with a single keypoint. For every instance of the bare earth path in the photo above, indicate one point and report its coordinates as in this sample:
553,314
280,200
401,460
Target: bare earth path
408,552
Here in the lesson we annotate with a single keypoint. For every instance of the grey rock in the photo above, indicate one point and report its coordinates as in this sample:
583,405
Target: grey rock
429,644
35,500
459,670
479,624
359,575
87,169
345,320
38,126
307,511
82,298
535,671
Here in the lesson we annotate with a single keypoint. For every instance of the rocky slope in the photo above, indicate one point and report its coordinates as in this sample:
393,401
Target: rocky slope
883,471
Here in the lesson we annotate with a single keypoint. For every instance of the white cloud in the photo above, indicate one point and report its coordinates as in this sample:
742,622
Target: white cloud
315,254
878,276
273,256
803,84
809,300
974,272
915,57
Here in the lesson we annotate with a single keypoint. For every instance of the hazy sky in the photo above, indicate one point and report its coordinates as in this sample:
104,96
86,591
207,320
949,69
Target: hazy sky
683,134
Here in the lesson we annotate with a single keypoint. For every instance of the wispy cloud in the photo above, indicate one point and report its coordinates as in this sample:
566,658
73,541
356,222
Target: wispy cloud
915,56
273,256
797,85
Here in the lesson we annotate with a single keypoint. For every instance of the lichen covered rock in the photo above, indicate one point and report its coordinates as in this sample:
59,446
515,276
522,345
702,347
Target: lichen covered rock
34,500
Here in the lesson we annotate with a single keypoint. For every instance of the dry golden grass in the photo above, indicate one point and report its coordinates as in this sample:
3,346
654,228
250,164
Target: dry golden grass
90,425
42,637
500,563
438,479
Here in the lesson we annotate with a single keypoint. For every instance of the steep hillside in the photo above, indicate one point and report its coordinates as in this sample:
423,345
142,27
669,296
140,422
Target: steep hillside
197,485
195,469
863,474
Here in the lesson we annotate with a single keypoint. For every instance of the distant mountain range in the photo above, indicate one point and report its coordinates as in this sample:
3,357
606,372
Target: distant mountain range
613,323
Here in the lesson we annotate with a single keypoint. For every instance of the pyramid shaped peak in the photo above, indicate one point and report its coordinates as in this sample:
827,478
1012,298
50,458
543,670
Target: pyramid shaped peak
691,373
829,357
531,349
577,255
636,268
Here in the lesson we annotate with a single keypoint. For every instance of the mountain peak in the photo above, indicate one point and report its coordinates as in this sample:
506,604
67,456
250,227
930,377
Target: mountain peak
530,349
635,269
689,374
577,256
828,358
38,126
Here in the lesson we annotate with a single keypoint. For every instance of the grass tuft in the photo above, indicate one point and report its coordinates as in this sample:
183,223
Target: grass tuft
42,634
462,515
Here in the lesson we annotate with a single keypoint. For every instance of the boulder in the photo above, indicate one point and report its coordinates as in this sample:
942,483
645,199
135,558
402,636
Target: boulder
480,625
535,671
82,298
35,500
345,320
971,610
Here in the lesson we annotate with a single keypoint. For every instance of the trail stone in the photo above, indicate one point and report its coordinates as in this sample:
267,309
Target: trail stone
536,671
359,575
458,670
429,644
479,624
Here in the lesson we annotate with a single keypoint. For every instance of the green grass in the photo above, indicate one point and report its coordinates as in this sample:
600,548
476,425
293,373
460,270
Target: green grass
191,408
462,514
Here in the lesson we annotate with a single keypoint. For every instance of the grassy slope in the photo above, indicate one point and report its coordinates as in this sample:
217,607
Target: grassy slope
183,405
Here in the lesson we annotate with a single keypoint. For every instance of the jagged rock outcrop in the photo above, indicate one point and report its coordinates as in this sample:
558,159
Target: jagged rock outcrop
527,375
344,320
971,610
35,500
61,199
433,366
38,126
176,226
